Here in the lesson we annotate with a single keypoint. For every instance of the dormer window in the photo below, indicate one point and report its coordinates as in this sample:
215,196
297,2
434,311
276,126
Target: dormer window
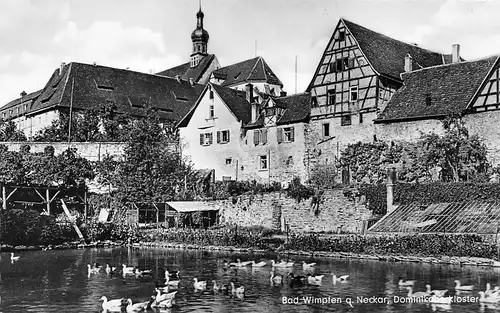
270,111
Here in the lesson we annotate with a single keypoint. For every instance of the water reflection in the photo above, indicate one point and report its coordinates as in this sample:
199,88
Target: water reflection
48,281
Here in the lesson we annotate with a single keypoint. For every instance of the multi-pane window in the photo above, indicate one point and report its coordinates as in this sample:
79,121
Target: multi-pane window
353,94
223,136
206,139
341,64
211,111
285,134
263,162
330,100
260,136
326,130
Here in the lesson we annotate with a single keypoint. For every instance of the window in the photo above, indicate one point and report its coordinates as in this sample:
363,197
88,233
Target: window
361,118
270,111
345,120
211,111
229,161
289,161
341,35
260,136
3,115
326,130
338,65
206,139
285,134
314,101
211,94
330,97
263,162
223,136
353,94
17,110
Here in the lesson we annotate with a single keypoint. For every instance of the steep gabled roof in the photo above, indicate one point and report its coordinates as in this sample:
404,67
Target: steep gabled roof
185,71
437,91
252,70
235,100
387,55
297,109
29,97
86,85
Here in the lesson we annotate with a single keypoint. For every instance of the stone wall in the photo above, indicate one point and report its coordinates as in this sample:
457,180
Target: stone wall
335,212
93,151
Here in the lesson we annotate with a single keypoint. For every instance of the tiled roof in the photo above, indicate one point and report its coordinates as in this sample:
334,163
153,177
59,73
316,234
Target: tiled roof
185,71
437,91
92,85
297,109
234,99
387,55
29,97
252,70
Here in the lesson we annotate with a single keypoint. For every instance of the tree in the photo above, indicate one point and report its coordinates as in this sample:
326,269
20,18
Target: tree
9,132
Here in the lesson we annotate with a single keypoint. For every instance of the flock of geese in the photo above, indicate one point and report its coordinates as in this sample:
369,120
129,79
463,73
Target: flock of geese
164,296
440,296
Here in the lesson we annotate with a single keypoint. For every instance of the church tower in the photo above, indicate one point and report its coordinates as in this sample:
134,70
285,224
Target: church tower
200,40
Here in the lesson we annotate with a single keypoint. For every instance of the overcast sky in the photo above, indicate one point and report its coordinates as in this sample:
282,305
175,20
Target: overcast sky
153,35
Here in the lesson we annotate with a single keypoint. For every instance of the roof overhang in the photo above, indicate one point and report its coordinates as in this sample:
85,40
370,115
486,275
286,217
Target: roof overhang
190,206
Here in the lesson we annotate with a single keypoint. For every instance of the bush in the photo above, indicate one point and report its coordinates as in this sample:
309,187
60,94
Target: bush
298,191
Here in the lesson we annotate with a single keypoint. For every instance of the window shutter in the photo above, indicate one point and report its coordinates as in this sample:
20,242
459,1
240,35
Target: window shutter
256,137
218,136
264,136
292,134
228,136
202,139
211,136
279,134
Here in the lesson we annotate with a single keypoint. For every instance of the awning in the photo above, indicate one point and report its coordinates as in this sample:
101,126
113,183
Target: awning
191,206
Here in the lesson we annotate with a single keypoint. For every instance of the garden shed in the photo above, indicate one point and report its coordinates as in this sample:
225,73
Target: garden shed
189,213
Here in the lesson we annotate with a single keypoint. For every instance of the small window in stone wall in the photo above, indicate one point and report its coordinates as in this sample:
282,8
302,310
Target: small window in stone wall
289,160
229,161
345,120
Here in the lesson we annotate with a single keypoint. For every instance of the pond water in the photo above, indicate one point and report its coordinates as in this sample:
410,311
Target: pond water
57,280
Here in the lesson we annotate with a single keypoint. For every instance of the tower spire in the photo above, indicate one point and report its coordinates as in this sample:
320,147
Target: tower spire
200,39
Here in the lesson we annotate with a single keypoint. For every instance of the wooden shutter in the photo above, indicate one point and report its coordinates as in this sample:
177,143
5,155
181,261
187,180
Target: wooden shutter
264,136
292,134
218,136
211,138
256,137
279,134
202,139
228,136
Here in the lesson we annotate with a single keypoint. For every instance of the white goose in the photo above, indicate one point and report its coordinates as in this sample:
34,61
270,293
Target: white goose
406,283
199,284
339,278
281,264
240,290
307,266
165,304
260,264
171,283
14,258
238,263
166,296
418,294
489,291
458,286
314,279
113,304
92,270
127,269
171,275
439,293
488,299
139,273
137,307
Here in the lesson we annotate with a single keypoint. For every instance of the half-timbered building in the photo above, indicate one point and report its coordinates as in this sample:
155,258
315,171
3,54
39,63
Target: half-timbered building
357,75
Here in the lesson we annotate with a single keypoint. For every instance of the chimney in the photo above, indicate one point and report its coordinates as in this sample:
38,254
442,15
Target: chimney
191,81
62,67
282,93
408,63
455,53
178,78
249,92
23,93
391,180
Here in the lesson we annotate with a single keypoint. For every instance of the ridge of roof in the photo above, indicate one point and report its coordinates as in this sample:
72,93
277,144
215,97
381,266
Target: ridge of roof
30,96
451,64
245,71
